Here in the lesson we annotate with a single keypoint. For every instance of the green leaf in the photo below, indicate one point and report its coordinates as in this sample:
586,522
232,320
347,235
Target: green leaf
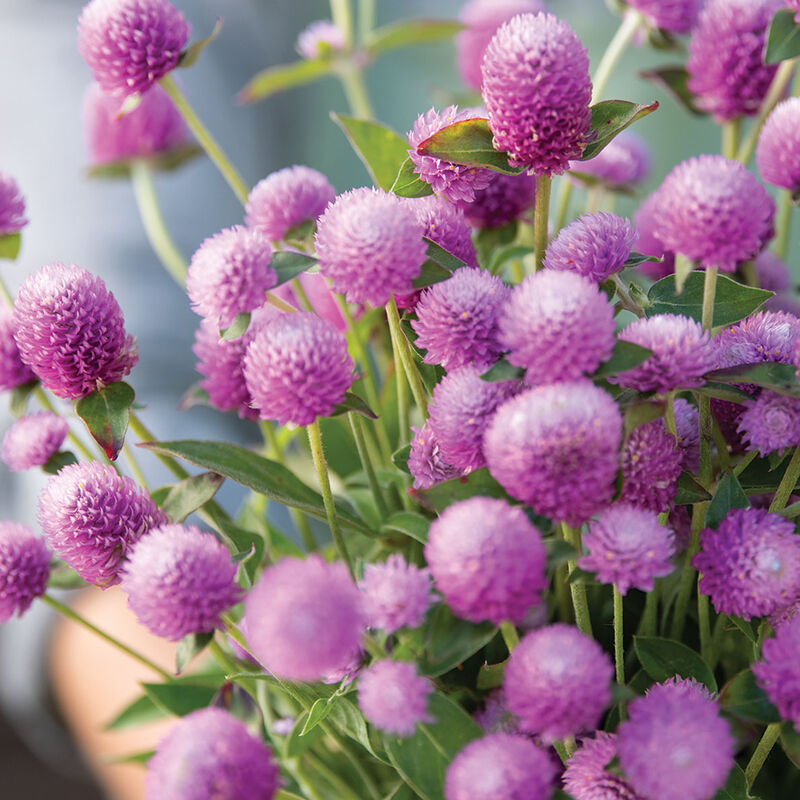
105,413
10,244
490,676
439,497
400,458
559,552
503,371
790,742
449,641
352,402
410,32
407,522
165,161
296,744
636,259
237,540
186,497
59,460
63,577
683,269
18,399
180,698
512,252
190,646
735,787
237,328
139,712
431,273
759,478
664,658
745,626
189,56
489,240
637,414
783,39
272,80
744,698
408,183
676,81
610,118
289,264
729,495
690,491
624,356
721,391
346,716
317,713
780,378
443,257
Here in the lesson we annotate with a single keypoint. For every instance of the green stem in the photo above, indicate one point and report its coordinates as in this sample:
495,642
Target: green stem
406,357
649,623
134,465
541,212
510,635
745,462
763,748
562,208
562,752
342,17
688,575
578,590
730,137
626,301
355,90
301,295
669,415
787,484
366,19
369,470
629,24
145,435
403,424
704,624
619,652
709,293
222,657
784,226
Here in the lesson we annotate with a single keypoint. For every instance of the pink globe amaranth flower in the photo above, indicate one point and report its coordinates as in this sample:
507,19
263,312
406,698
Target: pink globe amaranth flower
32,440
304,618
457,320
647,226
446,225
558,325
297,368
586,776
131,44
179,580
13,371
674,744
558,682
230,273
369,244
500,765
778,672
675,16
24,569
778,150
556,448
320,39
726,57
536,89
772,272
395,594
594,245
287,198
623,163
91,517
456,182
506,198
750,564
460,410
393,697
12,206
687,424
70,331
770,423
425,461
487,559
714,211
628,546
209,753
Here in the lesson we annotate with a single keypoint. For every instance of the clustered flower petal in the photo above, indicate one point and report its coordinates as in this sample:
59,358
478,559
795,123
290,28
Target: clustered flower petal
675,16
586,776
13,371
24,569
770,423
651,466
425,461
12,206
506,198
778,672
779,145
393,697
446,225
624,162
32,440
320,39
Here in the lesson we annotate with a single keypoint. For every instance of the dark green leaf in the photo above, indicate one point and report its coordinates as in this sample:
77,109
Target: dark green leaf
491,676
139,712
431,273
729,495
790,742
346,716
689,491
637,414
179,698
285,76
190,494
479,482
635,259
289,265
64,577
10,244
450,641
409,32
759,478
559,552
664,658
296,744
237,328
503,371
443,257
610,118
746,627
352,402
59,460
105,413
735,787
721,391
191,645
400,458
742,697
190,55
489,240
408,183
675,81
783,39
624,356
407,522
18,399
165,161
780,378
317,713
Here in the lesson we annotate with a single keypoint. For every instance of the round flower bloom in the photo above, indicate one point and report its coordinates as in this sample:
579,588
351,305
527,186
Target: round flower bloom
91,517
460,410
765,336
506,198
304,618
556,448
648,243
726,57
586,776
770,423
297,368
625,161
33,440
675,16
209,753
286,199
594,245
425,461
24,569
446,225
750,564
687,425
12,206
714,211
674,744
772,271
500,765
393,697
629,547
558,682
537,90
487,559
778,672
457,319
320,39
395,594
131,44
179,580
778,151
71,332
13,371
370,245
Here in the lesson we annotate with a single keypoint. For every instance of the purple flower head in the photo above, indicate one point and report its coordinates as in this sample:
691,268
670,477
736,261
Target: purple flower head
624,162
286,199
778,151
24,569
674,744
297,368
506,198
209,753
370,245
445,224
179,580
765,336
795,6
687,425
537,90
726,57
487,559
557,448
649,244
558,682
12,206
627,546
395,594
457,319
304,618
425,461
714,211
320,39
33,440
586,776
71,332
460,410
393,697
13,371
594,245
772,271
770,423
500,765
778,672
91,517
675,16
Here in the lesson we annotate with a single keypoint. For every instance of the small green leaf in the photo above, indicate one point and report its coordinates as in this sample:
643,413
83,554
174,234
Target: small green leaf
637,414
190,646
105,413
559,552
179,698
352,402
237,328
443,257
10,245
289,264
490,676
512,252
489,240
759,478
18,399
689,491
744,698
783,39
635,259
663,659
439,497
780,378
272,80
280,544
729,495
408,183
431,273
407,522
139,712
164,161
189,56
410,32
59,460
746,627
296,744
676,81
503,371
721,391
450,641
64,577
317,713
400,458
624,356
610,118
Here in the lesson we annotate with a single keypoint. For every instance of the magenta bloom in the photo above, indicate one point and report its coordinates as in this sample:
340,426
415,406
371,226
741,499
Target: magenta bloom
393,697
764,336
12,206
770,423
91,517
370,245
33,440
649,243
425,461
13,372
446,225
487,559
71,332
675,745
304,618
179,580
586,776
625,161
500,765
506,198
209,753
297,368
675,16
778,672
778,151
594,245
688,429
558,682
395,594
131,44
556,448
537,89
320,39
24,569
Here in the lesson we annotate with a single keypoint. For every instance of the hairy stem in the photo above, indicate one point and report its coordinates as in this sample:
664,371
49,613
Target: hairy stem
406,357
765,744
578,590
540,215
787,484
357,427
